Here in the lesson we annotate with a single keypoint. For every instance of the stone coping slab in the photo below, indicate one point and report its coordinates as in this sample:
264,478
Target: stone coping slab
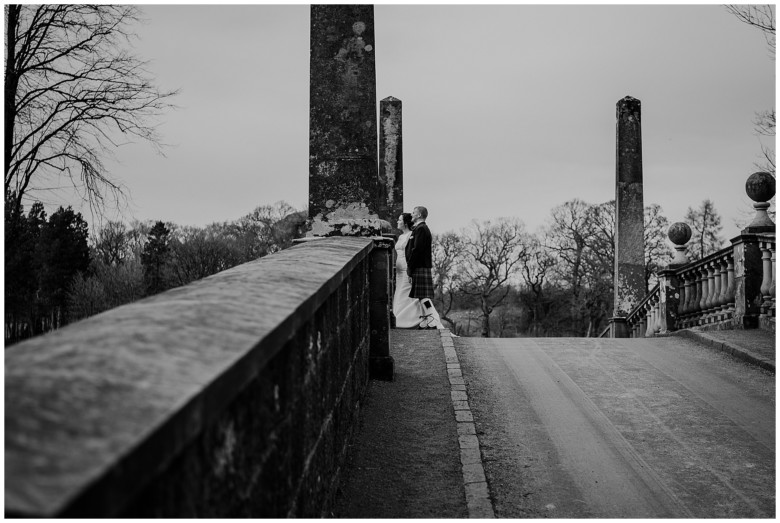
99,407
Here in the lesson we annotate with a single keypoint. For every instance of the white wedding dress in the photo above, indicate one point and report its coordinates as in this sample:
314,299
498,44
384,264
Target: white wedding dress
408,311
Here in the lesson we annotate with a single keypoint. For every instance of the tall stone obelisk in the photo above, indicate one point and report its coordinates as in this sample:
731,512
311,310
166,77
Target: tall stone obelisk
629,280
391,159
344,191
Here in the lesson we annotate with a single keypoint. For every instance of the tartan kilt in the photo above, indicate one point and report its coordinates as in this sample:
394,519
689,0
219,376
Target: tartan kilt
422,283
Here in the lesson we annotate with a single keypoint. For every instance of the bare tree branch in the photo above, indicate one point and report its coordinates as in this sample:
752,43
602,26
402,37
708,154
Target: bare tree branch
72,90
761,17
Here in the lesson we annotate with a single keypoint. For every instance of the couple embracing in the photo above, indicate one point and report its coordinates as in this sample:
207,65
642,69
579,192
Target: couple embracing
413,300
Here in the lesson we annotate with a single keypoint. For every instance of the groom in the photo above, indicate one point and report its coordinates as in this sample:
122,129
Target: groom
418,257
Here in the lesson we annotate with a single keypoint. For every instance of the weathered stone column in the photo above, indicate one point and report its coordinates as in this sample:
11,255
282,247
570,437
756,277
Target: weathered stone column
748,265
629,284
748,275
380,363
391,165
344,191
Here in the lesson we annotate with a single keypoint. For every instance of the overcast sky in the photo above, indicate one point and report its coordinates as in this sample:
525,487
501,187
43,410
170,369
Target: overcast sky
508,110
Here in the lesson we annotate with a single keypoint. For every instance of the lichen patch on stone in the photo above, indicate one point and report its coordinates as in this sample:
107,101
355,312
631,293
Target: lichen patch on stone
353,219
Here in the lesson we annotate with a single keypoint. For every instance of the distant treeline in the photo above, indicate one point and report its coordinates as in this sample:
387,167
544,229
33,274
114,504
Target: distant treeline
57,273
491,279
494,279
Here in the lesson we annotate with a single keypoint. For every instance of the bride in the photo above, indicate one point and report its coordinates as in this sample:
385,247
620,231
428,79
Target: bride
408,311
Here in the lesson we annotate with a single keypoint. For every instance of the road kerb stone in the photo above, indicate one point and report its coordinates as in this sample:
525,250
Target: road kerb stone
468,441
476,490
463,415
459,395
478,501
474,473
466,428
480,508
470,456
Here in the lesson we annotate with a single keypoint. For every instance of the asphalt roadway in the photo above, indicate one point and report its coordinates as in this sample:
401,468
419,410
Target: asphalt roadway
610,428
567,428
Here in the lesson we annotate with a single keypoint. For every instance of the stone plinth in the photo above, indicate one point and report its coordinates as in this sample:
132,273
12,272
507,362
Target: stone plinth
343,176
748,275
629,285
391,158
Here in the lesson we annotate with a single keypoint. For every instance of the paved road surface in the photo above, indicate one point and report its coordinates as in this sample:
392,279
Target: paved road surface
621,428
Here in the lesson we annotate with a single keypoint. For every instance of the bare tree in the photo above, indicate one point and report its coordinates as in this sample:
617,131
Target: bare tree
706,227
762,17
569,233
493,252
73,93
657,251
536,264
447,253
110,243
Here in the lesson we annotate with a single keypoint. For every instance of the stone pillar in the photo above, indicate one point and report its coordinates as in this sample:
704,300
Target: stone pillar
760,187
629,283
344,191
380,363
748,275
391,165
748,265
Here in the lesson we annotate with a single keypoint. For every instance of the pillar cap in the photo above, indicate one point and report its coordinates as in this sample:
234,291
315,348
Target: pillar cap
679,233
760,186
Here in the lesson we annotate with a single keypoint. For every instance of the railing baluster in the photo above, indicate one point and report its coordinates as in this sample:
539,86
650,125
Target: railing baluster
724,286
656,314
766,260
683,296
700,281
649,320
715,298
772,286
690,295
731,290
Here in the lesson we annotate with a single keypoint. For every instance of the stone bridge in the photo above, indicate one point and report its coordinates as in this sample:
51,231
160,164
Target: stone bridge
238,395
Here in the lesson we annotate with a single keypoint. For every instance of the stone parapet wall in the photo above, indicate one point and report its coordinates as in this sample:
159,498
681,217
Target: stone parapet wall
233,396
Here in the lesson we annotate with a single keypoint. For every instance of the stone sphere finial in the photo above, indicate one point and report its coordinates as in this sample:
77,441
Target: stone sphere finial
760,186
679,233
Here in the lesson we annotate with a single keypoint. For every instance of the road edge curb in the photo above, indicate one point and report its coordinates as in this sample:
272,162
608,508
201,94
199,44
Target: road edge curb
727,347
478,501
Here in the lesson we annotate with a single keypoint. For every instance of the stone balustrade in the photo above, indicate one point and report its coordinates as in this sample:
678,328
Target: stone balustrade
643,320
234,396
707,290
731,288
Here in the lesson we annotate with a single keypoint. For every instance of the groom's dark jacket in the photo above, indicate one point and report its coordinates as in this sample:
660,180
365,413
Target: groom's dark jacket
418,249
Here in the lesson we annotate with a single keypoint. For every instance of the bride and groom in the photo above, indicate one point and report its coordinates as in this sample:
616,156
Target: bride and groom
413,299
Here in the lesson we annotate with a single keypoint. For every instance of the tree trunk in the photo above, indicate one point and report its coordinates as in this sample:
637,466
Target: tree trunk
11,86
486,310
